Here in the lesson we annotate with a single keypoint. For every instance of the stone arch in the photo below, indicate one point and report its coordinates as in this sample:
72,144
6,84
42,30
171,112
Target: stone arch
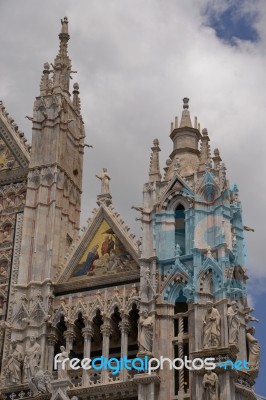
209,280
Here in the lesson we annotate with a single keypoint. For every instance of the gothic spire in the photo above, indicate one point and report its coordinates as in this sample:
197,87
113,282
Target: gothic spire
154,172
62,63
205,153
185,119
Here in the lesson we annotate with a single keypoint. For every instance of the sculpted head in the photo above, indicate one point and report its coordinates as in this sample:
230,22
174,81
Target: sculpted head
32,339
145,313
234,305
209,306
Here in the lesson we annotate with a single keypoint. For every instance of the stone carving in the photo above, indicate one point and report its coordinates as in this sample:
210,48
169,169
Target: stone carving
189,291
145,332
178,251
147,291
32,358
253,348
210,385
14,364
233,323
211,327
3,271
10,203
62,373
6,237
104,178
64,23
40,382
249,317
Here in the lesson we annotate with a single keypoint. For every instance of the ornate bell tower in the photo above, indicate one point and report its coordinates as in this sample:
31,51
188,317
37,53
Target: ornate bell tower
52,211
193,280
52,207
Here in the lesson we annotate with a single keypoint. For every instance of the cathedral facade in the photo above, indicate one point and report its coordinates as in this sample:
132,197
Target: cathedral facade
177,294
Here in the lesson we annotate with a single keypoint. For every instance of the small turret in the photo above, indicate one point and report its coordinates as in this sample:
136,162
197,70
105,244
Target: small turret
185,142
154,172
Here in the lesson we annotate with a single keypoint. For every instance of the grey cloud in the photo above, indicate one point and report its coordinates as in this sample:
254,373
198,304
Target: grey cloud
136,61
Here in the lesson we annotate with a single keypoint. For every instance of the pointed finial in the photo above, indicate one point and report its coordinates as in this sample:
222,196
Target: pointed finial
185,119
62,63
76,98
154,172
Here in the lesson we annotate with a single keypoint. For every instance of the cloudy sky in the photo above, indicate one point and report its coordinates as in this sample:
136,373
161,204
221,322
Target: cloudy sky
136,60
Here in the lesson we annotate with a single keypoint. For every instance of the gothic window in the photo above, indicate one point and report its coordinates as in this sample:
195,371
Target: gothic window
61,328
133,333
115,342
97,340
78,344
180,228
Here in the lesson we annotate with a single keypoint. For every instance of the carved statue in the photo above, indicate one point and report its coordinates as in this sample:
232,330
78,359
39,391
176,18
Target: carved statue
62,373
147,290
253,348
145,332
210,385
3,272
6,237
211,327
14,365
178,251
32,358
233,323
104,178
40,382
64,23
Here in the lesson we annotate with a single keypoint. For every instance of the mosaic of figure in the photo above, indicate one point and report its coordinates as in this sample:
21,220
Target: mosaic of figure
105,255
233,323
211,327
210,385
89,263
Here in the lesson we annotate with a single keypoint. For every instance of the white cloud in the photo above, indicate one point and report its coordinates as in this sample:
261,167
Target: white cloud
136,61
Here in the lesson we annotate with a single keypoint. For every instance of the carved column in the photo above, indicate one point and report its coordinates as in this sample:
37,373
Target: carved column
87,333
69,335
106,332
52,338
181,353
124,326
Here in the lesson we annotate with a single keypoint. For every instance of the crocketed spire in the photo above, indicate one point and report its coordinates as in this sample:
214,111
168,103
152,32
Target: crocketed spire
185,119
62,63
154,172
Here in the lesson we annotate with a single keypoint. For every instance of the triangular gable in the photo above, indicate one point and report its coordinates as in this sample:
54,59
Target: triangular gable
177,183
14,153
105,250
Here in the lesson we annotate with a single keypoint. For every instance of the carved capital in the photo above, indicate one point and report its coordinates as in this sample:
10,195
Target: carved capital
87,332
106,329
124,325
